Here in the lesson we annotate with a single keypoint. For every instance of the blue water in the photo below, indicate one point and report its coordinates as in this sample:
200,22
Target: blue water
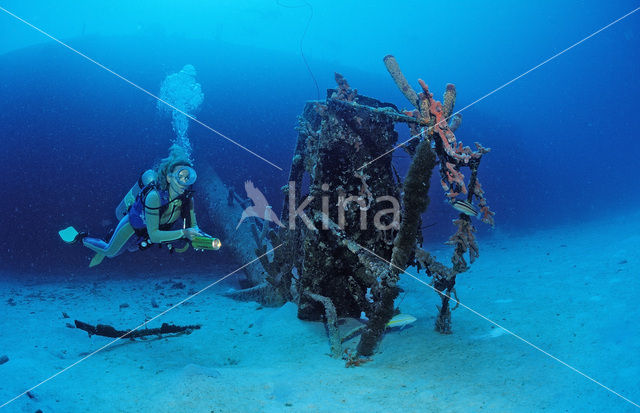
74,137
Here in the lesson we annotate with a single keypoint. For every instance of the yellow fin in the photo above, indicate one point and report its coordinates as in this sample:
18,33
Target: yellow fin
68,234
97,259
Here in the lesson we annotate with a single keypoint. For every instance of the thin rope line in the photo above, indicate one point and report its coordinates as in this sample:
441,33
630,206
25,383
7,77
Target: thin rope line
304,33
140,326
503,328
141,89
503,86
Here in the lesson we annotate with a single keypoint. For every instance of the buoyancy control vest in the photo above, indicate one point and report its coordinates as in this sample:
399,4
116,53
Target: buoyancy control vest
146,178
134,204
137,210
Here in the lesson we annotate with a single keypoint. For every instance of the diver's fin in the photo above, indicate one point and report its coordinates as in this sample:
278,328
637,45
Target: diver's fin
97,259
68,235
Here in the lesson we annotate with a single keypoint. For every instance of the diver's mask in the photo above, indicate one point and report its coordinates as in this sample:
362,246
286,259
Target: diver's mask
185,176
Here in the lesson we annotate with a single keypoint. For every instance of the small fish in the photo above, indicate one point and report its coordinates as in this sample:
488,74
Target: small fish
401,320
465,207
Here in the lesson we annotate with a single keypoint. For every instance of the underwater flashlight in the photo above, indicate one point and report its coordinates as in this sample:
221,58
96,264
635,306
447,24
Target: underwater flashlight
206,243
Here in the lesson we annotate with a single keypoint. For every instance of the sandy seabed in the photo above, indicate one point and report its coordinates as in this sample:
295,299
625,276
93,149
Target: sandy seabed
570,291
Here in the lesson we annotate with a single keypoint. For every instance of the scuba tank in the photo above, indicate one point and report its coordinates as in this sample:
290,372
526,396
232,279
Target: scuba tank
145,179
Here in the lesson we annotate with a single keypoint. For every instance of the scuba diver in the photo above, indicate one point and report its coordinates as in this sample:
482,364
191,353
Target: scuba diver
149,211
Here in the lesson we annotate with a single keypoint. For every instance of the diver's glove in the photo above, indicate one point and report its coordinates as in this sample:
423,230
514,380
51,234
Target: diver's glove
190,233
204,234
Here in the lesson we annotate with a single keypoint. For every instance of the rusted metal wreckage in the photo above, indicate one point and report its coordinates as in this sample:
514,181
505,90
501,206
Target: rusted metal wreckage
350,226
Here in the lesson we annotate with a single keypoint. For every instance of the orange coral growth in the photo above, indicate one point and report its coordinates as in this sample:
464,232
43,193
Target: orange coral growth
344,92
487,215
477,189
413,113
352,359
481,150
455,176
450,136
464,240
440,126
452,154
